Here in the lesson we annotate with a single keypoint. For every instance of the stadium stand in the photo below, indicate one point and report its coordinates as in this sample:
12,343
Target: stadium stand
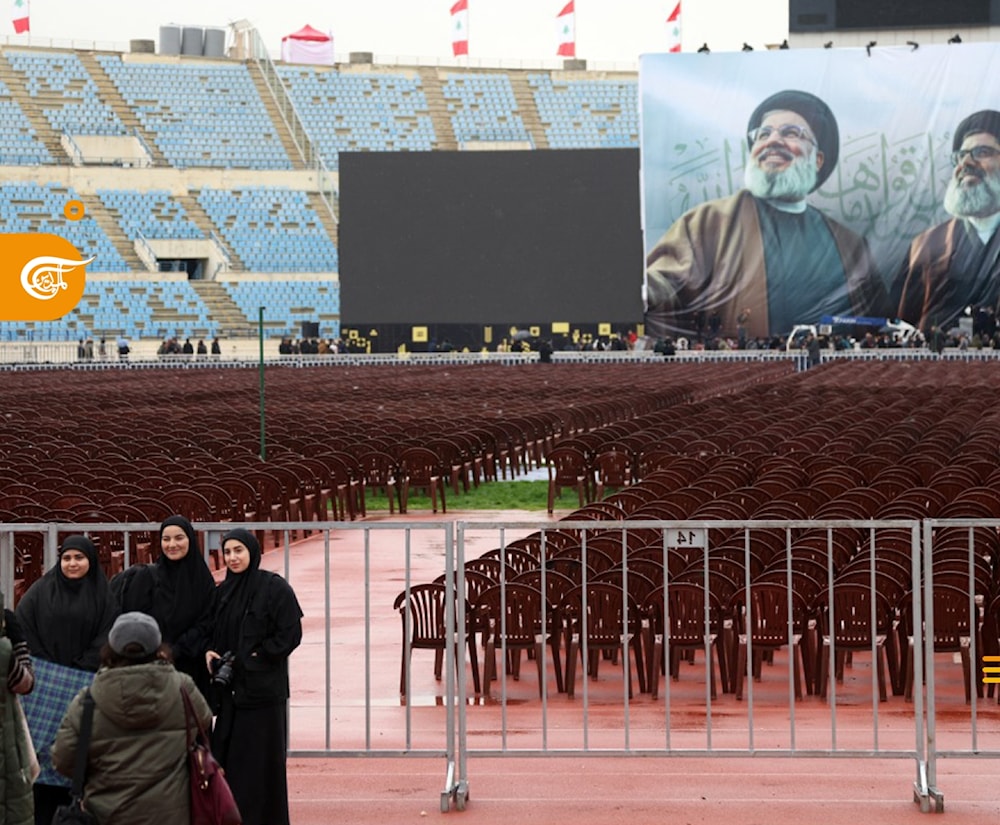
288,304
582,114
483,108
61,86
360,112
201,113
29,207
136,308
216,114
152,214
19,144
271,229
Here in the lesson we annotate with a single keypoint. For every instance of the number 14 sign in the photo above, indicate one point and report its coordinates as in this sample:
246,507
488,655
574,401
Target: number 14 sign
697,537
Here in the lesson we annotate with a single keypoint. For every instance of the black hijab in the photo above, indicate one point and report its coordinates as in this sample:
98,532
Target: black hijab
67,620
235,593
184,588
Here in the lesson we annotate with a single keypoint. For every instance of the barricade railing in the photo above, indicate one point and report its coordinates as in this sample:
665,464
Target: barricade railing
352,578
954,552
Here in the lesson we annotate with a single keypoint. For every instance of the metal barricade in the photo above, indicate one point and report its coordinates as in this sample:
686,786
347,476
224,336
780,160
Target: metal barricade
355,582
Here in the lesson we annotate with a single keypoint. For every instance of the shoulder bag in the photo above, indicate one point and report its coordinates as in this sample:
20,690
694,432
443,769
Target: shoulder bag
212,801
74,814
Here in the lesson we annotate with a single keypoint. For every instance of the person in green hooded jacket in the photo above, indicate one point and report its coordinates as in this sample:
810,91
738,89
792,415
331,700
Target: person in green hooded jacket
137,762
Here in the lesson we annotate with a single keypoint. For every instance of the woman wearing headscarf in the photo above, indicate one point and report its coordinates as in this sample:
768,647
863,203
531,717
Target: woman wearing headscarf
65,617
137,765
257,624
176,590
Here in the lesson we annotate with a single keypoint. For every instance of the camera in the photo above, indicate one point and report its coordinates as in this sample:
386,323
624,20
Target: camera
222,669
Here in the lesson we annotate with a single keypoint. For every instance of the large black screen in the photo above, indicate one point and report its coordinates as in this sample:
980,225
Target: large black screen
828,15
522,237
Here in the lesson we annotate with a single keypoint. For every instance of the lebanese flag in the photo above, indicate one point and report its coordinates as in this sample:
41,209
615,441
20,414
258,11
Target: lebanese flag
460,28
19,16
566,31
674,29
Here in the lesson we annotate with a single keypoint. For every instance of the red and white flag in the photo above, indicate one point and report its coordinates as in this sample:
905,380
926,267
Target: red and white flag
460,28
566,31
674,29
19,16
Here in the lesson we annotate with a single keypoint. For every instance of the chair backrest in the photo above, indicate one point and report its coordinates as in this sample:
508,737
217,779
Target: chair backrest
851,604
512,612
604,605
684,623
567,465
420,465
765,617
555,584
426,611
637,585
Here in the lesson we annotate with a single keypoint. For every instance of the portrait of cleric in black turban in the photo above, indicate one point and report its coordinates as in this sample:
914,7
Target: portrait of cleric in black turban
764,254
953,265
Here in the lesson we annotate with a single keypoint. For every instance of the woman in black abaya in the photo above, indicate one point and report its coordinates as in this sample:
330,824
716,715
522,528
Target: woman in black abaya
257,619
177,590
65,617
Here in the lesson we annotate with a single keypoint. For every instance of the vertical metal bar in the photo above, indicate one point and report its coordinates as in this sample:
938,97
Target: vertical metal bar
368,636
460,746
408,630
974,675
666,639
748,664
793,653
922,628
876,663
328,641
831,656
626,653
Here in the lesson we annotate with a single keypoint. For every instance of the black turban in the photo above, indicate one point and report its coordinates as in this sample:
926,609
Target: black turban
816,113
987,121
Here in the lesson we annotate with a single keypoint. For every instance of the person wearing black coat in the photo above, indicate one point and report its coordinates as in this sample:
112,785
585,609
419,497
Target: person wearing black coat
65,617
257,625
178,591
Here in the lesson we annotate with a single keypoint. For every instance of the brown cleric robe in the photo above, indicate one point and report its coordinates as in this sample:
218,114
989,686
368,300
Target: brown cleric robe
712,260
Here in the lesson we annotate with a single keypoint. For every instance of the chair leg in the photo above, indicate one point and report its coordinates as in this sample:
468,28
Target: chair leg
741,666
571,656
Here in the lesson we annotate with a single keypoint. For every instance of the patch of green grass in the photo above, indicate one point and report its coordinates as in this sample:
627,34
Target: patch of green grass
496,495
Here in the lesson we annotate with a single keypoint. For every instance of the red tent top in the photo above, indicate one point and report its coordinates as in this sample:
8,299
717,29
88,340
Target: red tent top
307,32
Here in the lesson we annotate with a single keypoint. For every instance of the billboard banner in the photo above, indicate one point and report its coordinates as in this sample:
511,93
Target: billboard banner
782,186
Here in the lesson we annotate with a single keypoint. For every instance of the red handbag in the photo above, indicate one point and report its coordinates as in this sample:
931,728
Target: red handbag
212,801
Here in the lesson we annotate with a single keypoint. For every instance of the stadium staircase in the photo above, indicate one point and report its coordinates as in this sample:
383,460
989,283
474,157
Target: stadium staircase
110,95
319,206
32,108
273,112
437,108
228,317
200,218
102,216
528,109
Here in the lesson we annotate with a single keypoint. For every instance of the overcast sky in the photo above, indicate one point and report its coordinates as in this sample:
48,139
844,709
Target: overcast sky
606,30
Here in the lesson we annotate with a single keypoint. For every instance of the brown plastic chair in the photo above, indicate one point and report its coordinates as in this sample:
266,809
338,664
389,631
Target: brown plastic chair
421,468
683,629
765,627
954,624
594,617
849,606
511,615
568,467
424,628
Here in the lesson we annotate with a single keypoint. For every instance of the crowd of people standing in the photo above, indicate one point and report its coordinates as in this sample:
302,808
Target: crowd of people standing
133,647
